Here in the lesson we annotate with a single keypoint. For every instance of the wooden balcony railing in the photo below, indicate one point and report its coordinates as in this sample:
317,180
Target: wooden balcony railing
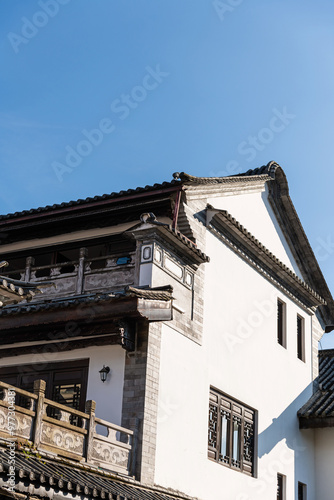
85,275
48,426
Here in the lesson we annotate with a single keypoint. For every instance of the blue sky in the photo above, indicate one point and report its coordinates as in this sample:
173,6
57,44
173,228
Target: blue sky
214,74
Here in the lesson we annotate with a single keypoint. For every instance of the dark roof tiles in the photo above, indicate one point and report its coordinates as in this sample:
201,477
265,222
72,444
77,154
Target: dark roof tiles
79,478
266,170
119,194
321,403
159,293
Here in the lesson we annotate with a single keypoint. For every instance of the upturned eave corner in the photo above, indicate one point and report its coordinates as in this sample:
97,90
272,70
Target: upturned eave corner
155,230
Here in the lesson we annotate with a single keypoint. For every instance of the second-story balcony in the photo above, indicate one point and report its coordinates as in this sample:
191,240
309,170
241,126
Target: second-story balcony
81,276
40,425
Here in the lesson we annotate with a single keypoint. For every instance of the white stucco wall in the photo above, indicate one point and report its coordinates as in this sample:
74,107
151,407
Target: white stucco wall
255,213
240,356
324,463
108,395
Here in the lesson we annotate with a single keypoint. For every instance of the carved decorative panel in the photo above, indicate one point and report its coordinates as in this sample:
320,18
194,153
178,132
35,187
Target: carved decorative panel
110,454
62,438
104,279
22,425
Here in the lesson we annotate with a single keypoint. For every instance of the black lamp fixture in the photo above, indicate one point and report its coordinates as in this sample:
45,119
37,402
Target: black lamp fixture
104,373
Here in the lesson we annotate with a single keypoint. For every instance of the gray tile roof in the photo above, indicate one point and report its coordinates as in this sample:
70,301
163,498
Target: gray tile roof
159,293
183,177
318,411
86,201
263,172
37,474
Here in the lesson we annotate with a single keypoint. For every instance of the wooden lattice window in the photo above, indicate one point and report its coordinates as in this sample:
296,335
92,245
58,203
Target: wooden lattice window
232,433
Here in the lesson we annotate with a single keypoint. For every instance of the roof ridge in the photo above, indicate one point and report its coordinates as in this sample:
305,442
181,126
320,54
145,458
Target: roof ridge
264,172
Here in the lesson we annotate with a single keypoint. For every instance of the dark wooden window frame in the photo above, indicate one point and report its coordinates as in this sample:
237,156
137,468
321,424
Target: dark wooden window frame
302,491
15,375
281,323
280,486
232,425
300,338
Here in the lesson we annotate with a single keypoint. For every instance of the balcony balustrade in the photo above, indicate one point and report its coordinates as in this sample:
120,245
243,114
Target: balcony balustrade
46,426
86,275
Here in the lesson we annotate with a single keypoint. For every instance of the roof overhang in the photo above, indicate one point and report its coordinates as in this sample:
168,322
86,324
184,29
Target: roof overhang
221,223
42,477
74,322
318,411
274,177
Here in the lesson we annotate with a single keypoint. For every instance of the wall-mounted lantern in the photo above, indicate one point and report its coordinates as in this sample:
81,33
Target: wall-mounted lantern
104,373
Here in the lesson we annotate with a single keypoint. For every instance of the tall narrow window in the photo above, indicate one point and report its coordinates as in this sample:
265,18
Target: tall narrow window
280,487
302,491
281,337
300,338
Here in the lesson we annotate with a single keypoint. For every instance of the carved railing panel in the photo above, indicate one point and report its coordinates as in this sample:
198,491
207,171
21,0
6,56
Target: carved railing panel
65,441
108,279
64,286
51,426
84,275
58,431
113,451
16,420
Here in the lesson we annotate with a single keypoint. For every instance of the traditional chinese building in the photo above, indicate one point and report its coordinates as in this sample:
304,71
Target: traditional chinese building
174,343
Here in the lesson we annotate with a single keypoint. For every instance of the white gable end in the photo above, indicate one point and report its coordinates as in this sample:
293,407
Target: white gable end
255,213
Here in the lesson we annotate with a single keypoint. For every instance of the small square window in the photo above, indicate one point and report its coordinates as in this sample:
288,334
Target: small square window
300,338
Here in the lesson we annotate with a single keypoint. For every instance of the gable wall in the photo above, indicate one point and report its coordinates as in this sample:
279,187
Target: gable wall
240,356
254,212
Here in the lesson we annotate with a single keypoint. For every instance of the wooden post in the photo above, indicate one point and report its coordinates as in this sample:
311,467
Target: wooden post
81,270
39,389
90,409
30,261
